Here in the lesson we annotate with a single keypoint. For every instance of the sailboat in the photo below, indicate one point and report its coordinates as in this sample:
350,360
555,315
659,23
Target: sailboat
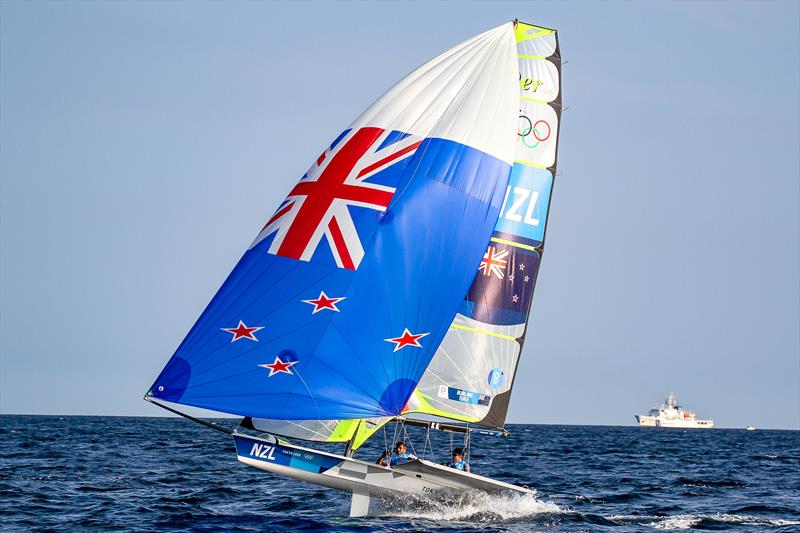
394,282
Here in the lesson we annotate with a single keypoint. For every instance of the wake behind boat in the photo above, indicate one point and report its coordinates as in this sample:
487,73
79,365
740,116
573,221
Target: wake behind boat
394,282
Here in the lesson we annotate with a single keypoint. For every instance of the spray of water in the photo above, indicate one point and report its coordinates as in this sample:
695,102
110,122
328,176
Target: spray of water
473,507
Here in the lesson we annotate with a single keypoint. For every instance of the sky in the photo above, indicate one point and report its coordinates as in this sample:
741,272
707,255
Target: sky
143,144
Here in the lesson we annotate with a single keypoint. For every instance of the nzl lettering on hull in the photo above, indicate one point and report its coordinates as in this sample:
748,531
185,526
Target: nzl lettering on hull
263,451
283,455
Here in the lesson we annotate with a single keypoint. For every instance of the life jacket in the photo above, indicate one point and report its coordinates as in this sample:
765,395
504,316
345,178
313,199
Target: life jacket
401,458
458,465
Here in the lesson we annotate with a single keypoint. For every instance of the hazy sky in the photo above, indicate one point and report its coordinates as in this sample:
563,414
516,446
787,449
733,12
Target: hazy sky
142,146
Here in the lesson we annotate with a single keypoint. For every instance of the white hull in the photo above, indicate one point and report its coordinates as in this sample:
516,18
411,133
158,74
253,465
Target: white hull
362,479
656,422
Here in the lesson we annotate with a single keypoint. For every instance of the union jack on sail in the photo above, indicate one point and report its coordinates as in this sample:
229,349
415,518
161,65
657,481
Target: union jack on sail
319,205
494,262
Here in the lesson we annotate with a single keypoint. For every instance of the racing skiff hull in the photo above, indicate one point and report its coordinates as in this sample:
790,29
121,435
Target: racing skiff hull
363,480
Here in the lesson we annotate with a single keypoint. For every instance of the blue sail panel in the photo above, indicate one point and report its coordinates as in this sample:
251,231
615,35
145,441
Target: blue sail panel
338,316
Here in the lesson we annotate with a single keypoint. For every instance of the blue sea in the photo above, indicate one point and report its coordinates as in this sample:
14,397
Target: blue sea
169,474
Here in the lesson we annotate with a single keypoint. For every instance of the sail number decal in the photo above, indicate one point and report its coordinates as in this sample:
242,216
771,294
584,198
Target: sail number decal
521,197
524,211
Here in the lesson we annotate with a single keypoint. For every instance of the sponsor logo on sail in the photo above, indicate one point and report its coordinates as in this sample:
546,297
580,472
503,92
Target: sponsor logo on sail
496,378
529,84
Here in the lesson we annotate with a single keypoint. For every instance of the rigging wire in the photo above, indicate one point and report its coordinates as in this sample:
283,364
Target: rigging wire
451,442
407,438
394,439
466,445
428,443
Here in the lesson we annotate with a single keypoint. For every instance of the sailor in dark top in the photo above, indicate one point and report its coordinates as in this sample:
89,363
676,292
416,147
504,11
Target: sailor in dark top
401,455
458,461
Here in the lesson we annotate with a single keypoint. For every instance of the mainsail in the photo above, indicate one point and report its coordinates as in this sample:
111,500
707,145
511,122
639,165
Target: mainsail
471,376
338,306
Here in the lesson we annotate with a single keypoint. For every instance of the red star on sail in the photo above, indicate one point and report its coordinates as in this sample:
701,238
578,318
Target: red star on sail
324,302
243,332
279,366
407,339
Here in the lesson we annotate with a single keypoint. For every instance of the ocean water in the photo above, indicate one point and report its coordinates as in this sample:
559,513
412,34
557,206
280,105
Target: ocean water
169,474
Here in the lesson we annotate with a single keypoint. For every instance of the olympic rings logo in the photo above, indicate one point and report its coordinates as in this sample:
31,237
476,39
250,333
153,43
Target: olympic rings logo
540,130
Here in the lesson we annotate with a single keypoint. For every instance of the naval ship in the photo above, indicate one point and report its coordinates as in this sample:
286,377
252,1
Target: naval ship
672,415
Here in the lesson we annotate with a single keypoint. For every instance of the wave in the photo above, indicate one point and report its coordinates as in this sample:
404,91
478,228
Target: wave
710,483
766,509
698,521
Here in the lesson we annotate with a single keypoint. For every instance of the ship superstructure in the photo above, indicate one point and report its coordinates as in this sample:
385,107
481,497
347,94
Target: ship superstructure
672,415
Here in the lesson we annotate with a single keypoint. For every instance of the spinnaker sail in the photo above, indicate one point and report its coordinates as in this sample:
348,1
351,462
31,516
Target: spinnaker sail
338,306
471,376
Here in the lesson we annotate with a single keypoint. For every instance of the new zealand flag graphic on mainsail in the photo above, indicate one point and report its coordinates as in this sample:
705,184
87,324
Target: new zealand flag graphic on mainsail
501,294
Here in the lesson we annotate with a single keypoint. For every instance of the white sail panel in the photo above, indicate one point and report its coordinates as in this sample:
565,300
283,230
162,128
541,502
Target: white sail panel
539,80
537,134
355,431
466,94
313,430
535,41
480,372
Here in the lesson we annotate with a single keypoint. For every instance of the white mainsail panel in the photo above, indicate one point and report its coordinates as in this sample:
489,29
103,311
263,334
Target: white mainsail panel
467,371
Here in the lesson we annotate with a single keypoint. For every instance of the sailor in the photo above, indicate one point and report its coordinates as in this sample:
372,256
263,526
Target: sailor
458,461
401,454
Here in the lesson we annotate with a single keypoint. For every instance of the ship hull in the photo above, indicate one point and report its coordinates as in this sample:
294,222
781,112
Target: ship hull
363,480
655,422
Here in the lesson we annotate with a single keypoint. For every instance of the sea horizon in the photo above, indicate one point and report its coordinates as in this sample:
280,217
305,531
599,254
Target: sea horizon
234,417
